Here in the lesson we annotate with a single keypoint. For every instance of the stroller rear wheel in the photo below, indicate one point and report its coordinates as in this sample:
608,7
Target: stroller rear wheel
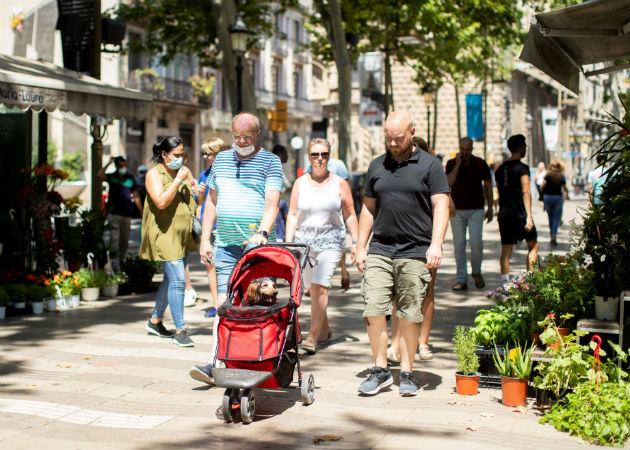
307,387
248,405
229,404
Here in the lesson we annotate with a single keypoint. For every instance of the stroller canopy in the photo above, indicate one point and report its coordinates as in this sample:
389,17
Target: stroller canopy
265,261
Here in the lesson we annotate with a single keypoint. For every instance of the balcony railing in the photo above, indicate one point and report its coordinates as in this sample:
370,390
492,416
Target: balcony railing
162,88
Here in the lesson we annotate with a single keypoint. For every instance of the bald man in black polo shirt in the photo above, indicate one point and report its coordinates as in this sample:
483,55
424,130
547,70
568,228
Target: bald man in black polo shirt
406,208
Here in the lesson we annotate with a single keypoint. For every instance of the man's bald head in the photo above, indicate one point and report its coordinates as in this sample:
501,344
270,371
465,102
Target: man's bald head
399,130
246,121
399,119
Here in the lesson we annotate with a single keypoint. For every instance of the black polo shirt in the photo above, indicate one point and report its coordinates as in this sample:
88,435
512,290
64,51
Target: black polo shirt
403,223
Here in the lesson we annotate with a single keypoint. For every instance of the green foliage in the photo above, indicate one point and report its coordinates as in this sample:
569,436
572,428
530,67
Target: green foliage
91,279
465,347
36,292
16,292
4,297
502,324
93,226
516,363
599,415
73,245
202,87
116,278
72,163
139,271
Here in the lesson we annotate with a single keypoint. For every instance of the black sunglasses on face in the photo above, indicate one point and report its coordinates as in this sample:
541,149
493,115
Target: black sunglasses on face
324,155
206,154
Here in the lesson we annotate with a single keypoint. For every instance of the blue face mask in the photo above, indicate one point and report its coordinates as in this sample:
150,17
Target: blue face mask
122,171
175,163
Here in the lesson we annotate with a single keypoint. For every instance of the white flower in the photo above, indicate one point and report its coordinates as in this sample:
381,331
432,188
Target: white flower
588,260
582,245
603,258
614,238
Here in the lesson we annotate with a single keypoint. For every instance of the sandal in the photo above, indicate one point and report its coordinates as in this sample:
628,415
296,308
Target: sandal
391,357
479,283
309,348
425,352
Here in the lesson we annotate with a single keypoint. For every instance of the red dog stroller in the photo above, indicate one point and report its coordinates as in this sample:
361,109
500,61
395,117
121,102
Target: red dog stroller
259,344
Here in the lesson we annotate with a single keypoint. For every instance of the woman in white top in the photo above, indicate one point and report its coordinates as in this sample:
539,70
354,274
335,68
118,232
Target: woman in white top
320,203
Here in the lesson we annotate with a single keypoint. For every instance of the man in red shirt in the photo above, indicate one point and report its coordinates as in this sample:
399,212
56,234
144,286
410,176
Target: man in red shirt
469,179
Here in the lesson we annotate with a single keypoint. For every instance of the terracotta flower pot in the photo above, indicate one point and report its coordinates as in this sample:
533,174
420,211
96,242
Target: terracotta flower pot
562,332
467,384
513,391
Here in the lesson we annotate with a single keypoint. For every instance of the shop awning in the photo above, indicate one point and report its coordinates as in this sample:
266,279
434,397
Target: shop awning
25,83
562,42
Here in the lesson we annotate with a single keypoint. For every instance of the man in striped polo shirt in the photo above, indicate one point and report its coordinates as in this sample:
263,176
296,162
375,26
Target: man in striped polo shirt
245,186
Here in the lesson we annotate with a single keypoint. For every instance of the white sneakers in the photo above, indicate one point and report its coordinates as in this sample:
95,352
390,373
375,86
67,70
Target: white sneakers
190,297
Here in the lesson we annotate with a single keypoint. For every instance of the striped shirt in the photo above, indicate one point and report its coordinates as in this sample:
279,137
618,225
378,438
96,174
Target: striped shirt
241,185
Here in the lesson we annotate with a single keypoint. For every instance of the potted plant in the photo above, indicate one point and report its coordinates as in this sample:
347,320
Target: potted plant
90,281
71,289
467,375
140,272
112,282
515,368
17,294
4,299
35,294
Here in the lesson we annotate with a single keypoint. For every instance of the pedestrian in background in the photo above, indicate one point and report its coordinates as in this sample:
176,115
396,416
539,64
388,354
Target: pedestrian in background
515,206
554,191
245,184
283,208
209,150
405,208
596,180
320,203
539,177
123,194
167,233
469,179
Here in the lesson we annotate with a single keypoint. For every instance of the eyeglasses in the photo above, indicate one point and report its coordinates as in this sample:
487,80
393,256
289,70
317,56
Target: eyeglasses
398,139
316,155
206,155
244,138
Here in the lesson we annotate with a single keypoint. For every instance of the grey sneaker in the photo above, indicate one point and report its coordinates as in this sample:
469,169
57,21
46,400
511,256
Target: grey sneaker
407,385
202,373
158,329
182,339
379,378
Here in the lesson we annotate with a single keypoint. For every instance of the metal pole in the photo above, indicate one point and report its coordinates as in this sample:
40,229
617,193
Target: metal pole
239,83
428,126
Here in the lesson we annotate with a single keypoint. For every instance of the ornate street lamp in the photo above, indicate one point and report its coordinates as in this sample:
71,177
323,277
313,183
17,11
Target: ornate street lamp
238,36
428,92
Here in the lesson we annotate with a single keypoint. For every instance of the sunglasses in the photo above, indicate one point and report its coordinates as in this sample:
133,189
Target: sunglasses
206,155
316,155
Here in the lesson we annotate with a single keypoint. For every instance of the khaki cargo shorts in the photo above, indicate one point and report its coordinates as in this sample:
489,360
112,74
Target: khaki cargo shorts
387,280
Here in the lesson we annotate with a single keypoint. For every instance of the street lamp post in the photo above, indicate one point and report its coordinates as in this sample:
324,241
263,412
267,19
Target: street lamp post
238,36
428,92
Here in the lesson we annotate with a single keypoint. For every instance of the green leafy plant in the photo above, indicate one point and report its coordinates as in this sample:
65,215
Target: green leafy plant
91,279
465,346
116,278
503,323
139,271
72,163
36,293
16,292
517,363
4,297
202,87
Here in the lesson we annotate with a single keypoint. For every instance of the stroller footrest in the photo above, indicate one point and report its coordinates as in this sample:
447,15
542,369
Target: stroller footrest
239,378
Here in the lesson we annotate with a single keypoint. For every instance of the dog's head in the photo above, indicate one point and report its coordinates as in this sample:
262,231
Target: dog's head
262,291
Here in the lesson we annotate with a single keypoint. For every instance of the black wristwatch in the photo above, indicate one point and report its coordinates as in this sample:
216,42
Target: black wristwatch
263,233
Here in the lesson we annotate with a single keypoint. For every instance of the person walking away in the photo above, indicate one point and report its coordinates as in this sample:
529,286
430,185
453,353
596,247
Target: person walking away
338,167
405,208
167,233
245,185
320,203
515,206
428,306
283,208
596,180
209,150
469,179
123,194
555,192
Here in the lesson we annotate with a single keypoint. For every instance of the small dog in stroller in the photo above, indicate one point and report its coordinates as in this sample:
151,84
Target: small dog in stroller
262,292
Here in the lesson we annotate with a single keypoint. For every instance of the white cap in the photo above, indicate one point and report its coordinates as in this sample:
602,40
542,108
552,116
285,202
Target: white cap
142,169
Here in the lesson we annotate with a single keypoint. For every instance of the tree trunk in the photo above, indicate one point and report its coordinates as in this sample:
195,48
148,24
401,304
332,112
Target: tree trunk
225,15
459,114
435,117
389,92
330,13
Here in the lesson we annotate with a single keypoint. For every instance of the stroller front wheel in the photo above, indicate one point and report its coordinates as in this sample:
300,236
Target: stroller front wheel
230,398
307,388
248,406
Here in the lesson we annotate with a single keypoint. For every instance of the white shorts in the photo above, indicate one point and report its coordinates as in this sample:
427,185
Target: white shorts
322,273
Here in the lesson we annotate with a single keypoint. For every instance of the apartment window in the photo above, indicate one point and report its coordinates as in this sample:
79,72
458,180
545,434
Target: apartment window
318,73
297,83
278,23
276,76
135,60
297,28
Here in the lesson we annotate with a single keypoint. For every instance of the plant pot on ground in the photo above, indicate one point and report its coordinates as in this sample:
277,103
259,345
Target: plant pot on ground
4,299
90,281
140,273
467,375
515,368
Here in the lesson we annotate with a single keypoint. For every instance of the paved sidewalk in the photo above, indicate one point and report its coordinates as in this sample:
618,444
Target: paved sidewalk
92,378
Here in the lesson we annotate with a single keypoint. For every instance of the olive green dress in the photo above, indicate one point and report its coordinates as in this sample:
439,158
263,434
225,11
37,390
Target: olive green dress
167,233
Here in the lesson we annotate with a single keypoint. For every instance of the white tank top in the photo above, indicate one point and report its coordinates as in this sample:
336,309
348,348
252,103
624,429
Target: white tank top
319,218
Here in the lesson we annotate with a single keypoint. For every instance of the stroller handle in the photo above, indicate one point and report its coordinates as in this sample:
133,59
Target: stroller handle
304,250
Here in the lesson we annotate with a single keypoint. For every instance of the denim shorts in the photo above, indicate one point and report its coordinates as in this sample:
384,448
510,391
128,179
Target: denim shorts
404,281
224,261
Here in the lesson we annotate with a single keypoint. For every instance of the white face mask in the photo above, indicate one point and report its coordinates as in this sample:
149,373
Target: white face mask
244,151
